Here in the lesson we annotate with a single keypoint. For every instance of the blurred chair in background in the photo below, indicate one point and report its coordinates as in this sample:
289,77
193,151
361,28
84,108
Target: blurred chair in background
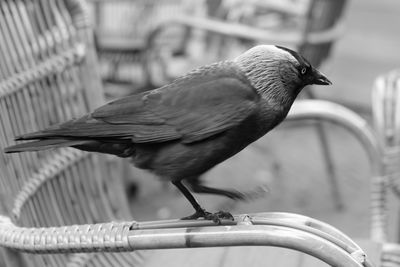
222,29
121,29
386,118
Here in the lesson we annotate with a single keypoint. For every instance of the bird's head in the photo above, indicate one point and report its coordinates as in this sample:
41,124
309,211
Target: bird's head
274,68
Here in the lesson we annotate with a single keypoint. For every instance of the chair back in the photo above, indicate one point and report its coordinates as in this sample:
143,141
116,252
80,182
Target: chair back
322,15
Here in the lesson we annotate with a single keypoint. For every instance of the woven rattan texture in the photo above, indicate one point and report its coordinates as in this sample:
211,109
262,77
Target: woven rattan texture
48,75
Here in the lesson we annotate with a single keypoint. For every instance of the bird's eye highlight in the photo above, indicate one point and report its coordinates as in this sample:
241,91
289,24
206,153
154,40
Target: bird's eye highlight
303,71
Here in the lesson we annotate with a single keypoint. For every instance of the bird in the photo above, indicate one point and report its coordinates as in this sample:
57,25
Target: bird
183,129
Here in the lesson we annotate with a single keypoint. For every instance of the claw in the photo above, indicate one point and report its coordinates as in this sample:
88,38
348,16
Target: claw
215,217
224,215
198,214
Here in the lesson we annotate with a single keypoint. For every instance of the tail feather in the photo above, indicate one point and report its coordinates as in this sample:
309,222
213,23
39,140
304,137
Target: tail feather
43,144
36,135
121,149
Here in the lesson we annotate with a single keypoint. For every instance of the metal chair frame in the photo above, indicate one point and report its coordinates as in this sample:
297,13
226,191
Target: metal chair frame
264,229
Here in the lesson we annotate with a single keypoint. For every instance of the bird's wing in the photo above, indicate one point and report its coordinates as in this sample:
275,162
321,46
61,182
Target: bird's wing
204,103
192,109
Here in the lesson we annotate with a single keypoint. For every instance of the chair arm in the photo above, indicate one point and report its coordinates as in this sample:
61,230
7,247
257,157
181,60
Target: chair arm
67,239
233,29
282,219
277,229
264,229
338,114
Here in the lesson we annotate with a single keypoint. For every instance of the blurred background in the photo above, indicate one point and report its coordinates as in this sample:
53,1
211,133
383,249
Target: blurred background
308,168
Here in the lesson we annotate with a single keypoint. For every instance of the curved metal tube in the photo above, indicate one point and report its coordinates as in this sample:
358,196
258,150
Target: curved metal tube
251,33
304,223
340,115
242,235
291,220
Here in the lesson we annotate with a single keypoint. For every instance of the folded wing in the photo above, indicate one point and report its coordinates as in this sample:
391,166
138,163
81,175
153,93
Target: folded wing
204,103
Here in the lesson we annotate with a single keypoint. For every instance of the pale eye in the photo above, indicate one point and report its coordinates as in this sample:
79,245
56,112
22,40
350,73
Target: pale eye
303,71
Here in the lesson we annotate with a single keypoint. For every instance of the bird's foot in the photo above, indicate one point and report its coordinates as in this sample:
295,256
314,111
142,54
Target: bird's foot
223,215
215,217
198,214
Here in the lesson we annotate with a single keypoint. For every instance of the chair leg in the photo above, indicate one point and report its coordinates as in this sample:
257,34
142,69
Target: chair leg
327,156
330,166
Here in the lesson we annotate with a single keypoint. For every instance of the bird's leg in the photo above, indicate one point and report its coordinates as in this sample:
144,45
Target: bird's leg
200,212
197,187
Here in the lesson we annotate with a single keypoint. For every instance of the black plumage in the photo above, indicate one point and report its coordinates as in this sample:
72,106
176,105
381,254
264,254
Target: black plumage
183,129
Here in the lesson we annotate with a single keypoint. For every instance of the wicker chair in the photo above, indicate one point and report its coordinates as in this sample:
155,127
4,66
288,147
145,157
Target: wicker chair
386,112
58,205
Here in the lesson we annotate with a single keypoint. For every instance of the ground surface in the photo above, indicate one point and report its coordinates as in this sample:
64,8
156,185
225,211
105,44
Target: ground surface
289,159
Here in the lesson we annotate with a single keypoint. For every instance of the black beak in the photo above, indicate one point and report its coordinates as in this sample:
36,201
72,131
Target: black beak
319,78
